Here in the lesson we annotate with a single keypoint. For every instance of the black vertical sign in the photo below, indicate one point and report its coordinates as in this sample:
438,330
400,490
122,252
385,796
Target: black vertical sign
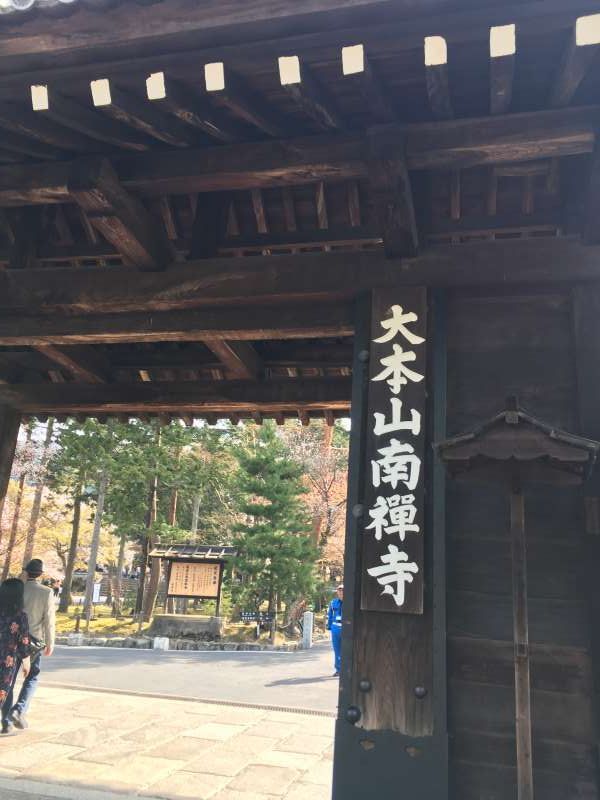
393,519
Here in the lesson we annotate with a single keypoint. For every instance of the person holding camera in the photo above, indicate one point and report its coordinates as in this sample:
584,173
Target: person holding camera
41,613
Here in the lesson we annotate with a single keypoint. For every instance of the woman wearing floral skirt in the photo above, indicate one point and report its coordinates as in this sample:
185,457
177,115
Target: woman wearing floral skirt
14,643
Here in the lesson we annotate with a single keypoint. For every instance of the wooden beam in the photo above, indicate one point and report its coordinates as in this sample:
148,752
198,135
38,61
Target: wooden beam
246,104
591,228
36,126
95,250
175,326
312,277
502,72
16,143
334,22
120,217
436,77
240,359
260,215
223,397
354,204
574,65
209,224
194,109
192,358
164,210
373,93
147,118
26,228
314,100
391,195
455,195
451,144
503,48
289,209
84,364
321,203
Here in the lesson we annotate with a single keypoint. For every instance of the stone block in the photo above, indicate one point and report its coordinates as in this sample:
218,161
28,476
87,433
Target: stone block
268,780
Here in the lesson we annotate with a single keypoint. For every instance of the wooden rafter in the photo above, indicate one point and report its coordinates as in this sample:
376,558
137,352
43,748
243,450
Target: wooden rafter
313,99
88,122
240,359
502,72
84,364
36,126
194,109
120,217
147,118
573,67
373,92
244,103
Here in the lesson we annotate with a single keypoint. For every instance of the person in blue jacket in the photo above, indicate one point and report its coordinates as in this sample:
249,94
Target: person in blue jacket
334,624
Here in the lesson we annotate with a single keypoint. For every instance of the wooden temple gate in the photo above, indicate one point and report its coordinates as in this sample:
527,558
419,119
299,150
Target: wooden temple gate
211,208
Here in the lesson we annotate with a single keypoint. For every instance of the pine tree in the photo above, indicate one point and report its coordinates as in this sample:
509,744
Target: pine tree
276,557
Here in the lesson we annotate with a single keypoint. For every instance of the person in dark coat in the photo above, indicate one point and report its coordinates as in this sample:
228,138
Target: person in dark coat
14,643
334,624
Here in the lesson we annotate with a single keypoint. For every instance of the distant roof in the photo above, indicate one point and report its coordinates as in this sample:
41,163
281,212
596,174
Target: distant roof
56,7
201,552
10,6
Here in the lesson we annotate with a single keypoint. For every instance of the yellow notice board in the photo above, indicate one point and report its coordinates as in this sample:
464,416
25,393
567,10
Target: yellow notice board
194,580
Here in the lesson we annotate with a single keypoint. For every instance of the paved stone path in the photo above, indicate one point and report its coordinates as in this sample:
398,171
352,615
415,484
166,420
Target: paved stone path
84,744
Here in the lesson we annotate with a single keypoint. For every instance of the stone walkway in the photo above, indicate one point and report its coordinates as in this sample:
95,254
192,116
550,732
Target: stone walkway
84,744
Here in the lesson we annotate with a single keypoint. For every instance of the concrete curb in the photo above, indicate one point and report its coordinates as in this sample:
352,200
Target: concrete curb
18,788
312,712
145,643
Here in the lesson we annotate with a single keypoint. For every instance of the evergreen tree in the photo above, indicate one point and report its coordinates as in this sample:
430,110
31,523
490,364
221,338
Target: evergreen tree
276,557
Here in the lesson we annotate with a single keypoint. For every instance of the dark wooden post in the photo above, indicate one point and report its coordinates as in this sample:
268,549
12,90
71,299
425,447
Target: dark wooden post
391,729
521,644
9,430
586,344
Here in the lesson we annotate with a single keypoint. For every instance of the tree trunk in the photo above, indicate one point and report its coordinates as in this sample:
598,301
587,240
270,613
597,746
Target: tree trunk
37,498
148,544
14,527
118,603
152,592
173,506
65,597
89,586
196,513
151,513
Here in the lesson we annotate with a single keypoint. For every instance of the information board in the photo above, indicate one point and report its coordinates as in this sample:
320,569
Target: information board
189,579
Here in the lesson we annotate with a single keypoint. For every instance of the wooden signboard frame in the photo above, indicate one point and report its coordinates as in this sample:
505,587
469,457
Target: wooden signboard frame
196,561
394,519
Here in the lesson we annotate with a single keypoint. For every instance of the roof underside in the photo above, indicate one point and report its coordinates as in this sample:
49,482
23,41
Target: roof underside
256,169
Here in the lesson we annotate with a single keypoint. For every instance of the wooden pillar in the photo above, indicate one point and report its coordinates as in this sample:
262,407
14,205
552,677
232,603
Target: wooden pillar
9,430
391,730
586,345
521,645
